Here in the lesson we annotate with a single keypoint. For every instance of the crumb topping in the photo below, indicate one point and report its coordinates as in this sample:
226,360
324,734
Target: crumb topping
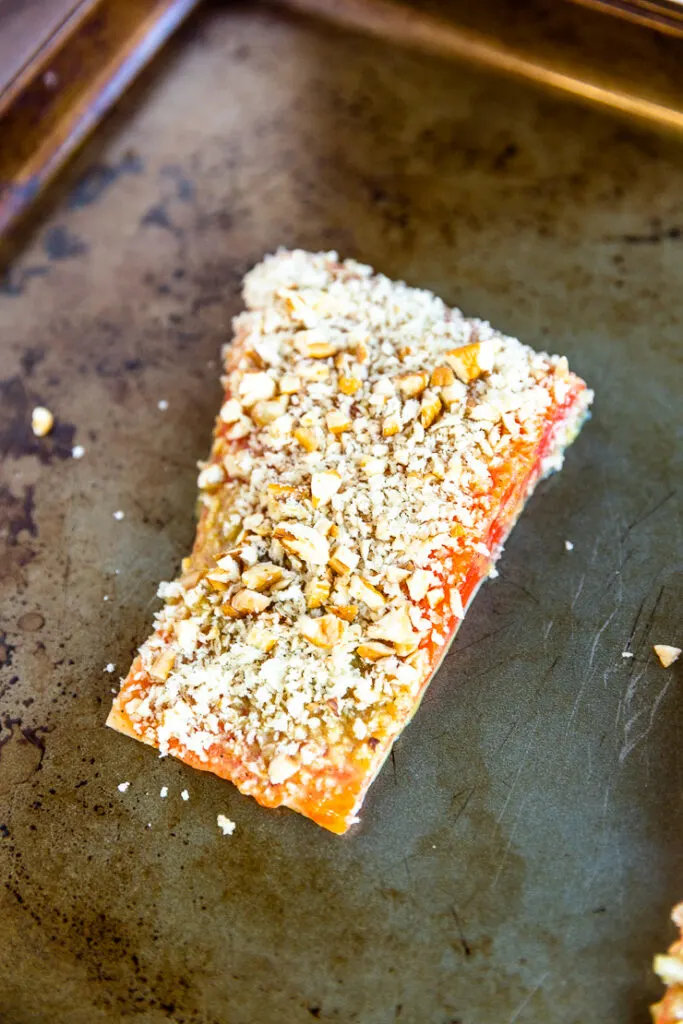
353,458
667,654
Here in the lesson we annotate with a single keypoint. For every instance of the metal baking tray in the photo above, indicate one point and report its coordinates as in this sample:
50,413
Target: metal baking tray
518,856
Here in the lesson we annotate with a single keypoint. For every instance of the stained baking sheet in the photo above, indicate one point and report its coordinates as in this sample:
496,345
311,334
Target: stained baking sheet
518,856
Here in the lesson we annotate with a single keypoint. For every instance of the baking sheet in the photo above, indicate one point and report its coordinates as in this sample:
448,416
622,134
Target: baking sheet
518,856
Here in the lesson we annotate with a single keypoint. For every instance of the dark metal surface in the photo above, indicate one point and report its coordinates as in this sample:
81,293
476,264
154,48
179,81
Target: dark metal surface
517,860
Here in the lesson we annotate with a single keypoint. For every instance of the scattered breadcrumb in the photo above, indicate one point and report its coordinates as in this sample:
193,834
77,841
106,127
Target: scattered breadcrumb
185,795
627,654
667,654
119,515
163,792
123,787
78,451
42,421
226,825
162,404
109,667
568,546
106,597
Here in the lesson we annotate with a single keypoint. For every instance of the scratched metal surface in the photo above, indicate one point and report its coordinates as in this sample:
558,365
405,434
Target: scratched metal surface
518,859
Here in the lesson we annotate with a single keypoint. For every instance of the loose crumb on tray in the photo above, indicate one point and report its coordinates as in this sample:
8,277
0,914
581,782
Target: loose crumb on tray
42,421
163,792
78,451
568,546
118,515
667,654
123,787
225,825
185,795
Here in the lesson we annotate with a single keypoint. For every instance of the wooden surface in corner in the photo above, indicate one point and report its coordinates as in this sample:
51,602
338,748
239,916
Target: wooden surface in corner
26,26
661,15
64,64
612,62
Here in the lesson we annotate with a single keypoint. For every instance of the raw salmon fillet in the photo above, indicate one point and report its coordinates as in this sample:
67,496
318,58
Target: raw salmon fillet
373,452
